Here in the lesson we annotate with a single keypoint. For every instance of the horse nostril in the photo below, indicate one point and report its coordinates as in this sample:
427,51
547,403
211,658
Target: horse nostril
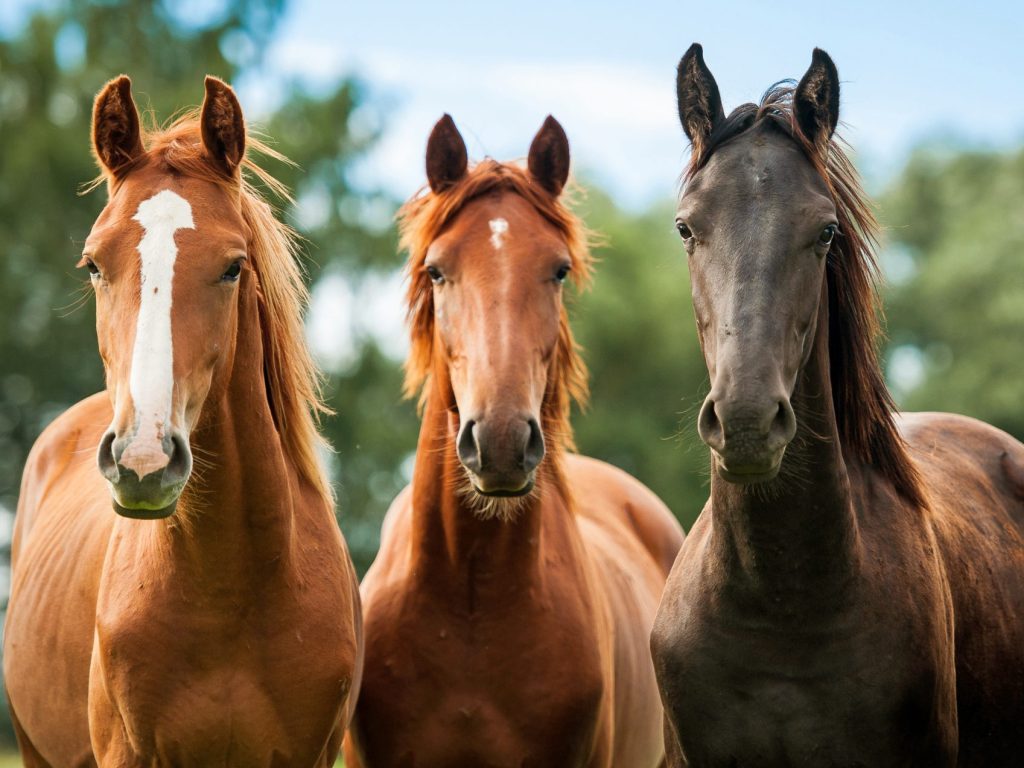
180,465
534,452
468,448
783,425
709,427
105,457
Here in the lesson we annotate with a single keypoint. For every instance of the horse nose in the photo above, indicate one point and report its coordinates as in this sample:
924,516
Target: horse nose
175,461
501,453
145,479
723,422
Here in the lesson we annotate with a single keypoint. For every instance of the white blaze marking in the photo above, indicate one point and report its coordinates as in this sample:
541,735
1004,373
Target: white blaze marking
498,229
152,376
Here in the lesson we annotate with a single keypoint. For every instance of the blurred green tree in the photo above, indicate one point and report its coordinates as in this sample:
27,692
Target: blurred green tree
351,242
955,235
647,376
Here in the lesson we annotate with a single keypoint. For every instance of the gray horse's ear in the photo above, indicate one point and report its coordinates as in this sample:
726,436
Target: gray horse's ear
700,104
816,99
447,159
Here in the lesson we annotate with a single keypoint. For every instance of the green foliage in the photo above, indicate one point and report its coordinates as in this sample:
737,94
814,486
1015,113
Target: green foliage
958,317
349,236
647,376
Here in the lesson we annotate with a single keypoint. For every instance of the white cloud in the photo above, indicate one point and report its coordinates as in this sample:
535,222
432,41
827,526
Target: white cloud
620,120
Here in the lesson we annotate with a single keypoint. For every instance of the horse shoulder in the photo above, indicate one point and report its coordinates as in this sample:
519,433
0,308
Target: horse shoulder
68,444
974,474
61,530
614,496
945,444
632,539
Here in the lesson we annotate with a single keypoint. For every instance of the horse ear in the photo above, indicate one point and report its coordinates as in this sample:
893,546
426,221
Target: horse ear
700,104
816,100
223,127
548,160
116,135
447,160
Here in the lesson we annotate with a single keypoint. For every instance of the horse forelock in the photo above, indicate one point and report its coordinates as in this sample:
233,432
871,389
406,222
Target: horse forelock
864,407
292,378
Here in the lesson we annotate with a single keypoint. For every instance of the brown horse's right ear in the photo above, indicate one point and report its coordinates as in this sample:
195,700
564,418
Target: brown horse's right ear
116,135
222,126
548,160
447,159
700,104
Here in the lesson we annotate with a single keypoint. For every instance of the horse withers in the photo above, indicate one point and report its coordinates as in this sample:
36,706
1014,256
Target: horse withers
853,592
508,610
190,600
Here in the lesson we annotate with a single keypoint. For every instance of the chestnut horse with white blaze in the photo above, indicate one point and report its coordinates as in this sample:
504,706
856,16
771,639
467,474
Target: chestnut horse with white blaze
215,618
853,592
508,610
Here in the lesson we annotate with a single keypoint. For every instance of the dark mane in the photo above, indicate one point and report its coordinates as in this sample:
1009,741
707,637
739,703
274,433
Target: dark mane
422,219
864,408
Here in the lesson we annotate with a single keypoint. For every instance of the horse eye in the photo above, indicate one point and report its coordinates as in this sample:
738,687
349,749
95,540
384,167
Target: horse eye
684,231
562,273
232,273
435,275
827,234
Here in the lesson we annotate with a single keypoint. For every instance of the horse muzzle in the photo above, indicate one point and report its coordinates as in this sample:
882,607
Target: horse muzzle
501,457
748,440
145,480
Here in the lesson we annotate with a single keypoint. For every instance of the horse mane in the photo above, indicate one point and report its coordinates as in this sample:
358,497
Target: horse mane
864,407
292,378
424,217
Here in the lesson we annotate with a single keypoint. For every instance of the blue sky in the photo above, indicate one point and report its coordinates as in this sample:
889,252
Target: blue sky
911,71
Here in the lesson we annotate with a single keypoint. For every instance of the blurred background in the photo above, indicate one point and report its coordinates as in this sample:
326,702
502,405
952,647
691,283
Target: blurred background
932,93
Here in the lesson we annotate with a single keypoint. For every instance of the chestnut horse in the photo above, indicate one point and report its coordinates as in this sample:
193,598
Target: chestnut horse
214,619
853,593
508,611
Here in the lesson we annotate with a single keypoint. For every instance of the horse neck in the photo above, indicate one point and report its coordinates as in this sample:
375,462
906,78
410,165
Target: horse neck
796,537
451,543
240,511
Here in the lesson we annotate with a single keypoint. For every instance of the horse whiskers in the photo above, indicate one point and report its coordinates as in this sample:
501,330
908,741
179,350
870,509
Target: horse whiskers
84,292
503,508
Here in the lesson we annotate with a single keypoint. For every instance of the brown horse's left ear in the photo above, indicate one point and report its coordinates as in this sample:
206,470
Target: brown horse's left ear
447,159
548,160
816,100
116,135
223,126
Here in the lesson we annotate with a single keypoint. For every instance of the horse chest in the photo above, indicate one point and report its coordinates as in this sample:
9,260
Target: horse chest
841,692
197,686
497,689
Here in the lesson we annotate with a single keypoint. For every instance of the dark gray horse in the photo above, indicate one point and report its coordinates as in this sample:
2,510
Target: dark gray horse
853,593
